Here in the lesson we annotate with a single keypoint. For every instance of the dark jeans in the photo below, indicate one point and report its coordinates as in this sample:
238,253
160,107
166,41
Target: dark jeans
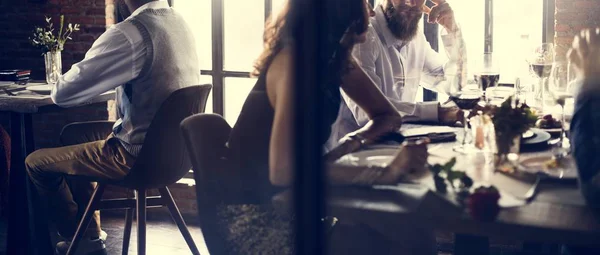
88,155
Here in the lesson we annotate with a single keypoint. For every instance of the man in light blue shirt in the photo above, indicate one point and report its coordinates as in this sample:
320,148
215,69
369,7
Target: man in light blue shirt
398,59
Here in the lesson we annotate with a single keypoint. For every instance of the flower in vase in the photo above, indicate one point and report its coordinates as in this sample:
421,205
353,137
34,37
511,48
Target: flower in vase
511,119
48,39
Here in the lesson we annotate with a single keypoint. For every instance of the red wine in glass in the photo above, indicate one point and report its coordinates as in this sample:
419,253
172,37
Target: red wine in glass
487,80
541,70
466,101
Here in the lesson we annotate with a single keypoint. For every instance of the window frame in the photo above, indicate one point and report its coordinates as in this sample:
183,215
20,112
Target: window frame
219,73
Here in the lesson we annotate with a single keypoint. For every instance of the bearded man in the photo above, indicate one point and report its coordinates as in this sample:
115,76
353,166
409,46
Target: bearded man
398,58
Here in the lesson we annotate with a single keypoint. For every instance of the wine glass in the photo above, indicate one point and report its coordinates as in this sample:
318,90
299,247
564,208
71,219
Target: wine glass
561,89
487,75
466,97
540,64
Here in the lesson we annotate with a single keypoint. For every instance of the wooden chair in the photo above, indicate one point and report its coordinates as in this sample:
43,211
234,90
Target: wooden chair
162,161
205,136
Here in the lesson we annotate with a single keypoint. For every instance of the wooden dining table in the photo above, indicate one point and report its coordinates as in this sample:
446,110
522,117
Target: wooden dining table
27,226
557,214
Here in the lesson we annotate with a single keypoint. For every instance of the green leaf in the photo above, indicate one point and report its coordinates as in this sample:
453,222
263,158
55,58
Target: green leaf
454,175
436,169
450,164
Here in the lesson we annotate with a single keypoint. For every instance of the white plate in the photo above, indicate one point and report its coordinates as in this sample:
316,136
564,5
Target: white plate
382,157
42,89
537,164
420,131
379,157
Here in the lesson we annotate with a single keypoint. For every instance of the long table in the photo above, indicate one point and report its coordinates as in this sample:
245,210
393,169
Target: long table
558,214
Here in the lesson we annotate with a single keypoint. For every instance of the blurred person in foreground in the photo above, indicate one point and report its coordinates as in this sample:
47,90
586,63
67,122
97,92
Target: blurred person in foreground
585,126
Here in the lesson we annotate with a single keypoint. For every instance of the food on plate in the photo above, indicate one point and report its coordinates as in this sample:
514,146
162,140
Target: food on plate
552,163
547,121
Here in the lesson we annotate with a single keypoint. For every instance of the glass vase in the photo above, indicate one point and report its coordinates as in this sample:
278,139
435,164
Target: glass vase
53,64
507,154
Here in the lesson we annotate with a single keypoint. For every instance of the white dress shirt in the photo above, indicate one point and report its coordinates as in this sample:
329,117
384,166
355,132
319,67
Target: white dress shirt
398,68
115,58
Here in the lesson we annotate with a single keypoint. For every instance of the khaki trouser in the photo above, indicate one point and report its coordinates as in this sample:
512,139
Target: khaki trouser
89,157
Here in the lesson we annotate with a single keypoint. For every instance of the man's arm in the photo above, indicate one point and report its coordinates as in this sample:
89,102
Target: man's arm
437,66
110,62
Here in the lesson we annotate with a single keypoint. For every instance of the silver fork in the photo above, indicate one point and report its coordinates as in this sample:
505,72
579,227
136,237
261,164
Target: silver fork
530,195
8,92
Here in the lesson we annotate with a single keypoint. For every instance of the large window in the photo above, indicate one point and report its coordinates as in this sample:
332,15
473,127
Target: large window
517,26
229,38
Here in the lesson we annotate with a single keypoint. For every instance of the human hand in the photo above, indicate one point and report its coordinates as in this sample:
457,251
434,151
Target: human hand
375,128
449,115
442,14
411,159
585,56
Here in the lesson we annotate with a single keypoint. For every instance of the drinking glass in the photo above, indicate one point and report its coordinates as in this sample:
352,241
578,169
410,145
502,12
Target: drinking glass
561,89
487,74
540,64
466,98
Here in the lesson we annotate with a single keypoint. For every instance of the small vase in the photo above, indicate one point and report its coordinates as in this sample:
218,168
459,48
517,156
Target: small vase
508,152
53,66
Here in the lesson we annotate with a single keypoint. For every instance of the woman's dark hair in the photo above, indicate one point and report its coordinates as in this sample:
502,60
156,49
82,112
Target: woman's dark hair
341,16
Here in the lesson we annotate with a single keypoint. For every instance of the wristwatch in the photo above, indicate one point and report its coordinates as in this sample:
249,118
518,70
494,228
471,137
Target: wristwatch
358,137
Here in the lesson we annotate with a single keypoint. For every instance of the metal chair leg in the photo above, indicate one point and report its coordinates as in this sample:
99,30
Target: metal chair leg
176,215
141,220
87,216
127,231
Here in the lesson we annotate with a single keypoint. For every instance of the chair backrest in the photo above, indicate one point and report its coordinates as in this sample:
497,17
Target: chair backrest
206,136
163,159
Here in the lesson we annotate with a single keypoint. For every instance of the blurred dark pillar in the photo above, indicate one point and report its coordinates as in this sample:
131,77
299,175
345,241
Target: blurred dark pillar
310,65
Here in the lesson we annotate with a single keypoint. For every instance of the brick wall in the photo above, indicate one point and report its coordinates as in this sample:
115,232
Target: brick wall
17,21
570,17
18,18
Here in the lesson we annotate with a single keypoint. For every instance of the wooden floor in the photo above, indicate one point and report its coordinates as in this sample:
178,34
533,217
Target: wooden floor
163,237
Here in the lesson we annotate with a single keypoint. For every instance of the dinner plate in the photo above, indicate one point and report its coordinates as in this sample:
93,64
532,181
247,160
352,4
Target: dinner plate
538,141
378,157
41,89
528,134
538,164
382,156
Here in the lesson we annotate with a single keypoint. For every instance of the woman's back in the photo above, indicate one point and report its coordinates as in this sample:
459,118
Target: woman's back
251,136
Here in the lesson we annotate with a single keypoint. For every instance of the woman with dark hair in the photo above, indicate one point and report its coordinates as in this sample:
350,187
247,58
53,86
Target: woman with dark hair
261,142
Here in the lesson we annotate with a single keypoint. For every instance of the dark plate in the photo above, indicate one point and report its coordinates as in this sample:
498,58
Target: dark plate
538,141
528,135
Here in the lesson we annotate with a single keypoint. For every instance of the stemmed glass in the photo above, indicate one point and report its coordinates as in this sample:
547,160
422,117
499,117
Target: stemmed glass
540,63
560,88
466,97
487,75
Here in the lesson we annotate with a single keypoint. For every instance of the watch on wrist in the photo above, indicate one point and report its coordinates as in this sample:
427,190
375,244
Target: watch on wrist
358,137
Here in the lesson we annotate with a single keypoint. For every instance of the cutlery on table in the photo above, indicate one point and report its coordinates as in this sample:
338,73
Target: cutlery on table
8,92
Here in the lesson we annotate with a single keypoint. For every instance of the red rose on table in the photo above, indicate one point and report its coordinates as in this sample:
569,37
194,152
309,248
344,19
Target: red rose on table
483,204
